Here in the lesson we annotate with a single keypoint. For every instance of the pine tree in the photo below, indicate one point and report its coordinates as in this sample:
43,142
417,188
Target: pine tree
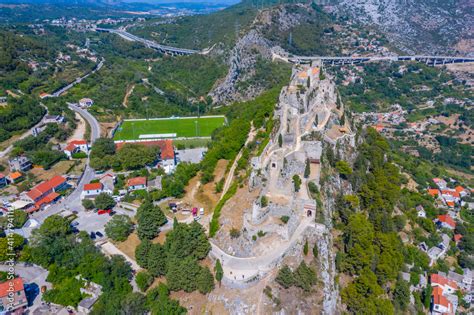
280,140
218,271
307,169
315,250
306,248
343,119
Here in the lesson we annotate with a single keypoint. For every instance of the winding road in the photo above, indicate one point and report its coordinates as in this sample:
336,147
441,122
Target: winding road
73,201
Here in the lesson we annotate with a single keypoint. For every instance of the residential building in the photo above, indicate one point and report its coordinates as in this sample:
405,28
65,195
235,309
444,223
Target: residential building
167,156
76,146
53,119
3,180
15,177
446,221
421,211
461,191
20,164
108,181
85,102
91,190
448,286
440,304
137,183
433,192
12,297
441,183
45,192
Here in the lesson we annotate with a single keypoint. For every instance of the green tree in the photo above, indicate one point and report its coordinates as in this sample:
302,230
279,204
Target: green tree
401,295
219,272
305,277
88,204
104,201
342,121
306,248
119,228
285,277
280,140
321,74
157,260
297,182
307,169
144,279
150,219
135,156
343,168
160,303
134,303
6,247
19,218
315,250
142,253
264,201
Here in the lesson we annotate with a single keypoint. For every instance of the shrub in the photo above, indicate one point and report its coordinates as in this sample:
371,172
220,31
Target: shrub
144,279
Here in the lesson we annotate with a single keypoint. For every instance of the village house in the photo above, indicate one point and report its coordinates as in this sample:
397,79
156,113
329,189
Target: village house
420,211
137,183
108,181
45,192
444,298
20,163
446,221
76,146
92,190
86,102
53,119
15,177
167,156
15,303
441,183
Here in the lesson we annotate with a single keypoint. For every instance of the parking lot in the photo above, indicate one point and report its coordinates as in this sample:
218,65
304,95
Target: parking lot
191,155
90,221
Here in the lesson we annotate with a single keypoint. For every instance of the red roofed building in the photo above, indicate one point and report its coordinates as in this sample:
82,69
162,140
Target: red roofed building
446,221
457,238
433,192
137,183
440,304
461,191
76,146
92,190
12,297
46,192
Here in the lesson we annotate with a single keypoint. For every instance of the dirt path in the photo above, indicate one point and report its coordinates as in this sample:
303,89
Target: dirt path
230,176
80,130
127,95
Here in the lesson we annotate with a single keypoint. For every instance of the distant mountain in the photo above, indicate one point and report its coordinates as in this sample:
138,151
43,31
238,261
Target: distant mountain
416,26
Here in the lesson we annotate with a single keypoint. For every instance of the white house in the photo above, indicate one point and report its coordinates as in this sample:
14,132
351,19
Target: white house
421,211
137,183
85,102
441,183
76,146
91,190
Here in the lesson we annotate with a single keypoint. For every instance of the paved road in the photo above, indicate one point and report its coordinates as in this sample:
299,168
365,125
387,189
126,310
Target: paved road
73,201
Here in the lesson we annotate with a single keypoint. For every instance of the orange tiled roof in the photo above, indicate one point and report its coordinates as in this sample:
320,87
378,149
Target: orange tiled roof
5,286
433,192
48,199
451,193
446,218
459,189
73,144
439,298
44,187
93,186
15,175
457,237
136,181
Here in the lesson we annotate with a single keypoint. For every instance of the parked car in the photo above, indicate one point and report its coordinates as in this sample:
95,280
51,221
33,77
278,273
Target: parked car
74,223
99,234
92,235
103,211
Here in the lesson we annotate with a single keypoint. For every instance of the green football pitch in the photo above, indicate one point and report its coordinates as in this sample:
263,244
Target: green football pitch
183,128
